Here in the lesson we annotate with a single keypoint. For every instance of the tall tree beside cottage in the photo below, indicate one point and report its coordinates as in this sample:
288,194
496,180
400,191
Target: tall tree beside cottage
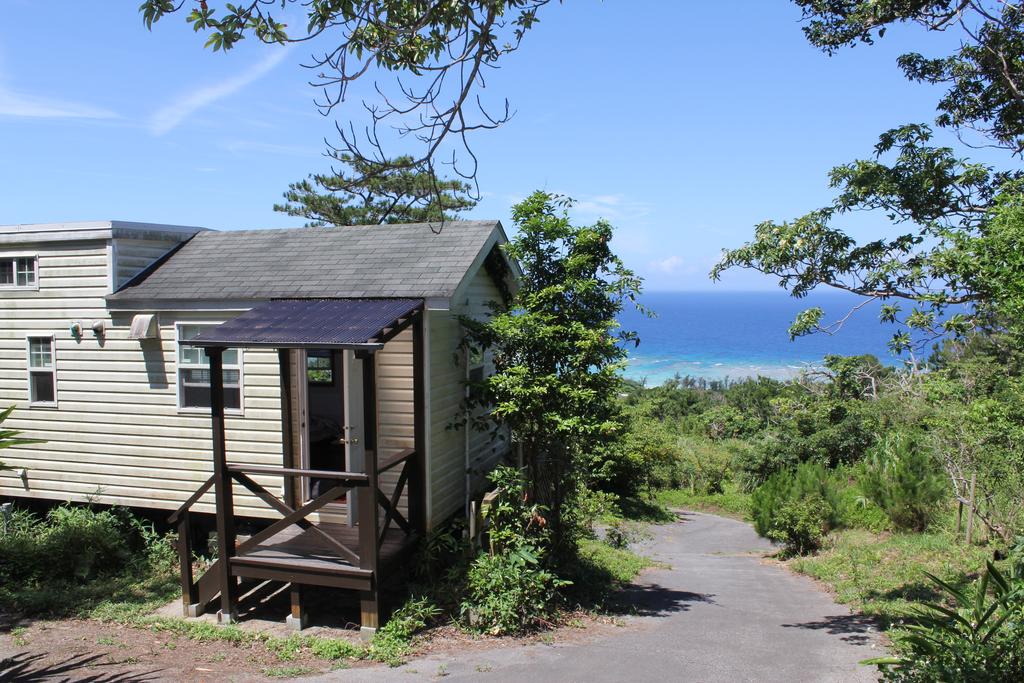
398,194
557,351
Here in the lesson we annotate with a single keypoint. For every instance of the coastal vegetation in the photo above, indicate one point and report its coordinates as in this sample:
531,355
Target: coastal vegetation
858,471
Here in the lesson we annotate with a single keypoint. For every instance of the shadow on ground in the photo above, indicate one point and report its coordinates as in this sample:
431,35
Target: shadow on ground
26,667
653,600
853,628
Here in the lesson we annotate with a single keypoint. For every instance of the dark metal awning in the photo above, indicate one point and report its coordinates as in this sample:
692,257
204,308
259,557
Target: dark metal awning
313,323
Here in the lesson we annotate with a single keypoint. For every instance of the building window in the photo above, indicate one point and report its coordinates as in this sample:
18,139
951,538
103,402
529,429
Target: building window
194,373
475,365
320,368
42,373
18,272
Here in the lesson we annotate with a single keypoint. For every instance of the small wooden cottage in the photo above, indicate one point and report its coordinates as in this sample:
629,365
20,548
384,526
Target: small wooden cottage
306,377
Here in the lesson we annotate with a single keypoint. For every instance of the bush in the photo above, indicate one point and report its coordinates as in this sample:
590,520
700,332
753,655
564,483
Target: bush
979,639
508,588
509,593
646,457
703,466
759,459
391,643
825,430
799,525
70,544
728,422
73,552
807,481
903,480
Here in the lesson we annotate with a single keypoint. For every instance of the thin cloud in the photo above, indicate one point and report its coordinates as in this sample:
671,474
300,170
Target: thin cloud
172,115
610,206
244,146
22,105
668,265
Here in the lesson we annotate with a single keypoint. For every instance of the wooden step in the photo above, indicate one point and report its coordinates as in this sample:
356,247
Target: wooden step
313,572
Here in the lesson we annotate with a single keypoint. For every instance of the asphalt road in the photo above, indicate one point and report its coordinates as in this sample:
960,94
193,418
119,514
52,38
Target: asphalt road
719,613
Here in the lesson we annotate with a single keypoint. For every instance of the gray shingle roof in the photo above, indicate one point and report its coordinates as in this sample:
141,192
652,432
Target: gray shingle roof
408,260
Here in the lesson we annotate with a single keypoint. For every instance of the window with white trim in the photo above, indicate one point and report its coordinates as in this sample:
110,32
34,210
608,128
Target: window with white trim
42,372
18,272
194,373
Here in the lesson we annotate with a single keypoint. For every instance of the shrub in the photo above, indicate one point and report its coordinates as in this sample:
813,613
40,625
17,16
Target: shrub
508,588
854,509
825,430
981,638
509,592
806,481
646,457
392,642
81,554
759,459
70,544
902,479
799,525
703,466
728,422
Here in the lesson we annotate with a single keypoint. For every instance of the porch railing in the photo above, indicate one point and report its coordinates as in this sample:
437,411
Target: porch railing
197,594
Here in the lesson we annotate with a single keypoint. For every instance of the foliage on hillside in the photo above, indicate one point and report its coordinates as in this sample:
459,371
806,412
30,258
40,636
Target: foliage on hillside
864,474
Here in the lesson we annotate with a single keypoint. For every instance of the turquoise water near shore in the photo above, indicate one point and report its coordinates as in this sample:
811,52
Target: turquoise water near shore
715,335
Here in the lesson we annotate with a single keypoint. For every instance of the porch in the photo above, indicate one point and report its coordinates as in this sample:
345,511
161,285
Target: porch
307,545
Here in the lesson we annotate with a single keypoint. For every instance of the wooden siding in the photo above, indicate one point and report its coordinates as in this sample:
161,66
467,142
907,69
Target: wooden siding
448,446
394,406
117,435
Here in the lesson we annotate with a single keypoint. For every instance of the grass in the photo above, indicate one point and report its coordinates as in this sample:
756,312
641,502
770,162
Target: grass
730,503
882,575
618,565
129,592
287,671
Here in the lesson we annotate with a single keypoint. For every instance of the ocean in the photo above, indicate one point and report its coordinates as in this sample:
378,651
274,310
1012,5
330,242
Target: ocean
717,335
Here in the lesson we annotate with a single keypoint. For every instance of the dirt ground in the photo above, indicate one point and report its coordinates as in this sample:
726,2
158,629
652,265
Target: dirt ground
90,650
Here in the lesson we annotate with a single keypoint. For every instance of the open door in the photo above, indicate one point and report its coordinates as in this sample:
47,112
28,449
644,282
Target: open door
321,414
354,439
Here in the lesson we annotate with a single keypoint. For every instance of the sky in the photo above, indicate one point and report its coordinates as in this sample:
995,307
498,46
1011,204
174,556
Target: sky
683,123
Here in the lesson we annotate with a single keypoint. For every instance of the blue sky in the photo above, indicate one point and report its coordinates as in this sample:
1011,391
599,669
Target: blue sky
683,123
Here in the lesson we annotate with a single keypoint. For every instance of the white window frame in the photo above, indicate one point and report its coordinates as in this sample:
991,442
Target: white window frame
187,410
14,256
29,369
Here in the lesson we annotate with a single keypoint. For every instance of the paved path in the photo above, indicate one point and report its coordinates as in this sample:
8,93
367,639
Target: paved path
718,614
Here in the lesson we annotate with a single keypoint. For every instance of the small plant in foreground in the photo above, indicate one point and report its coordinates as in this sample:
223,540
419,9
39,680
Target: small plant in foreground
392,642
508,588
979,638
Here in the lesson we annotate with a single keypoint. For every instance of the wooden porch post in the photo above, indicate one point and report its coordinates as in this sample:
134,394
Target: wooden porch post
417,467
369,522
189,589
222,487
297,618
285,370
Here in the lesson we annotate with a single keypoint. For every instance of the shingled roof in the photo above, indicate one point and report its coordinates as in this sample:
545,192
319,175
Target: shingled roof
406,260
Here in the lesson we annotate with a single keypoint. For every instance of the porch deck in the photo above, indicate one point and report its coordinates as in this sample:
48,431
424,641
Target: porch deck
300,556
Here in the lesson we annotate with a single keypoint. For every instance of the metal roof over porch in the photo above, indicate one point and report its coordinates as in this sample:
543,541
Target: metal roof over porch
312,323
